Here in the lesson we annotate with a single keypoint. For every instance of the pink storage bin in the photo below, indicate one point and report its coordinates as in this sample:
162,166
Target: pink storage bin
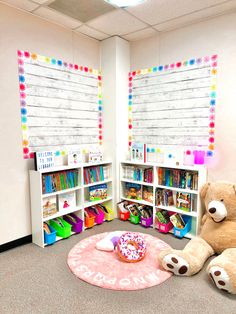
164,228
99,218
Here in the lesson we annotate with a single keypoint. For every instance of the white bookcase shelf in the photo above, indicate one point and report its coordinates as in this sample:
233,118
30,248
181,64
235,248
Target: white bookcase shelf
81,195
196,211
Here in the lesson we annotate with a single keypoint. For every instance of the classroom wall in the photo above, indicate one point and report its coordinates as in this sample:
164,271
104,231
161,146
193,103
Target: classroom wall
215,36
20,30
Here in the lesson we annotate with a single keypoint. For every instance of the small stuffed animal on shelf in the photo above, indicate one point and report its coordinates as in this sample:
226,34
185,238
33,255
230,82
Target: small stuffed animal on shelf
217,236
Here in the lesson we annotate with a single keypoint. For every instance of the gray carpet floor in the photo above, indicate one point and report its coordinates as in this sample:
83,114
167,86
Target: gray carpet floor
36,280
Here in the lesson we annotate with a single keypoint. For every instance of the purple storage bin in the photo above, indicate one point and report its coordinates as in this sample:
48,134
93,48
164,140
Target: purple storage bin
77,226
146,222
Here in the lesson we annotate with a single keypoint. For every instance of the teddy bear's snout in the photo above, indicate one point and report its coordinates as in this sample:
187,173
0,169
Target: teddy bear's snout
217,211
212,210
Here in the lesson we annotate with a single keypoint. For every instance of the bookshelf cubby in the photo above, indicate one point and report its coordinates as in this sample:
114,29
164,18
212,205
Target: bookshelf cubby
179,184
78,189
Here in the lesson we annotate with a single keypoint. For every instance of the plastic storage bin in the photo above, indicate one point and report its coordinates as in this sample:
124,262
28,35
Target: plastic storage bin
124,216
134,219
180,233
146,222
108,212
50,238
89,220
99,218
63,231
164,228
77,225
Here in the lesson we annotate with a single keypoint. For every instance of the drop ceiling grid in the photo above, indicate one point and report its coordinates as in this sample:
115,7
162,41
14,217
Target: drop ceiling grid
132,23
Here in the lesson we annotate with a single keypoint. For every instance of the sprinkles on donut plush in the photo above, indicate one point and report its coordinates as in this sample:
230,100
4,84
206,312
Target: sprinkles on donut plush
131,247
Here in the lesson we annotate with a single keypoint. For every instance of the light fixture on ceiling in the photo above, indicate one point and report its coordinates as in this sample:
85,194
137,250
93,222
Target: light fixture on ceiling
125,3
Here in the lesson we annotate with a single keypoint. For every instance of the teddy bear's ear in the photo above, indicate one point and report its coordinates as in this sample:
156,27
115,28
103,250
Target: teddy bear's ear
204,190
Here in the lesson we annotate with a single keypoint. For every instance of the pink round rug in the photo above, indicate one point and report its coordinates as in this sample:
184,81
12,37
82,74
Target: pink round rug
106,270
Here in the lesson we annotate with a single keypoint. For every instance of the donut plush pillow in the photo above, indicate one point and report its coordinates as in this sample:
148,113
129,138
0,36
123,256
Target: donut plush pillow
131,247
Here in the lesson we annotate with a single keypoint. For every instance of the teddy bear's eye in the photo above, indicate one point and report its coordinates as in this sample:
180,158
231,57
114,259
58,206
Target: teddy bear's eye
222,200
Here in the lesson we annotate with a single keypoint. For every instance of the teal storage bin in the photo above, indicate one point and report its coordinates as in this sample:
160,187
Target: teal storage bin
50,238
180,233
64,230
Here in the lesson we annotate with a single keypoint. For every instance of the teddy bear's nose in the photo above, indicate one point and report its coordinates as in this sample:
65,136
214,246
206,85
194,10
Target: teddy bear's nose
212,210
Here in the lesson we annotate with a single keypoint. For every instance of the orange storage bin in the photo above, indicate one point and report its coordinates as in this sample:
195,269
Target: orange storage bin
89,219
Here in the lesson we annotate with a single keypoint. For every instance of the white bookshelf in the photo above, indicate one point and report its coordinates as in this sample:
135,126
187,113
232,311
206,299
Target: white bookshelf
81,194
196,210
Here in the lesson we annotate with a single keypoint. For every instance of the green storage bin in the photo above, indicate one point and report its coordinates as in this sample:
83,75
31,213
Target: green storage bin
134,219
63,231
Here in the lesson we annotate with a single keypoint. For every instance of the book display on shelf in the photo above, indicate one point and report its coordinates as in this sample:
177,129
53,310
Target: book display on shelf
98,192
174,190
66,201
49,206
164,197
138,174
148,194
75,158
178,178
138,152
184,201
96,174
57,181
133,191
95,155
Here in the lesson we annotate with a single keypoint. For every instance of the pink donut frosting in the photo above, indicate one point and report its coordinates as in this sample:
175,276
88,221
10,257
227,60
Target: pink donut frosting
131,247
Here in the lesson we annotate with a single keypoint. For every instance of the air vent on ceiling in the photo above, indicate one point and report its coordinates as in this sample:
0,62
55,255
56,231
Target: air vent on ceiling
82,10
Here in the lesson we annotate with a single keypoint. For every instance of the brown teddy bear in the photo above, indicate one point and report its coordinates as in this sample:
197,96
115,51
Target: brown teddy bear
217,236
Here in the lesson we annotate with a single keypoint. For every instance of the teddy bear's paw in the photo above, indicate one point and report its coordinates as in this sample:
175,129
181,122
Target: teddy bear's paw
221,279
175,264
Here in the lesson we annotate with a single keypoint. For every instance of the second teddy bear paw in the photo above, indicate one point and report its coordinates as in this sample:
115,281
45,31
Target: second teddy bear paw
221,279
175,264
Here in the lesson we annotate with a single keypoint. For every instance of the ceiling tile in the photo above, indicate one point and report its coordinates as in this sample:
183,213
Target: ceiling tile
22,4
144,33
82,10
57,17
196,17
84,29
159,11
117,22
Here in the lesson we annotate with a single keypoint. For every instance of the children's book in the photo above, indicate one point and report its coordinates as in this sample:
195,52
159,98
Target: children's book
133,209
66,201
133,191
95,155
177,221
98,192
138,152
75,157
49,206
148,194
183,201
122,206
163,216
